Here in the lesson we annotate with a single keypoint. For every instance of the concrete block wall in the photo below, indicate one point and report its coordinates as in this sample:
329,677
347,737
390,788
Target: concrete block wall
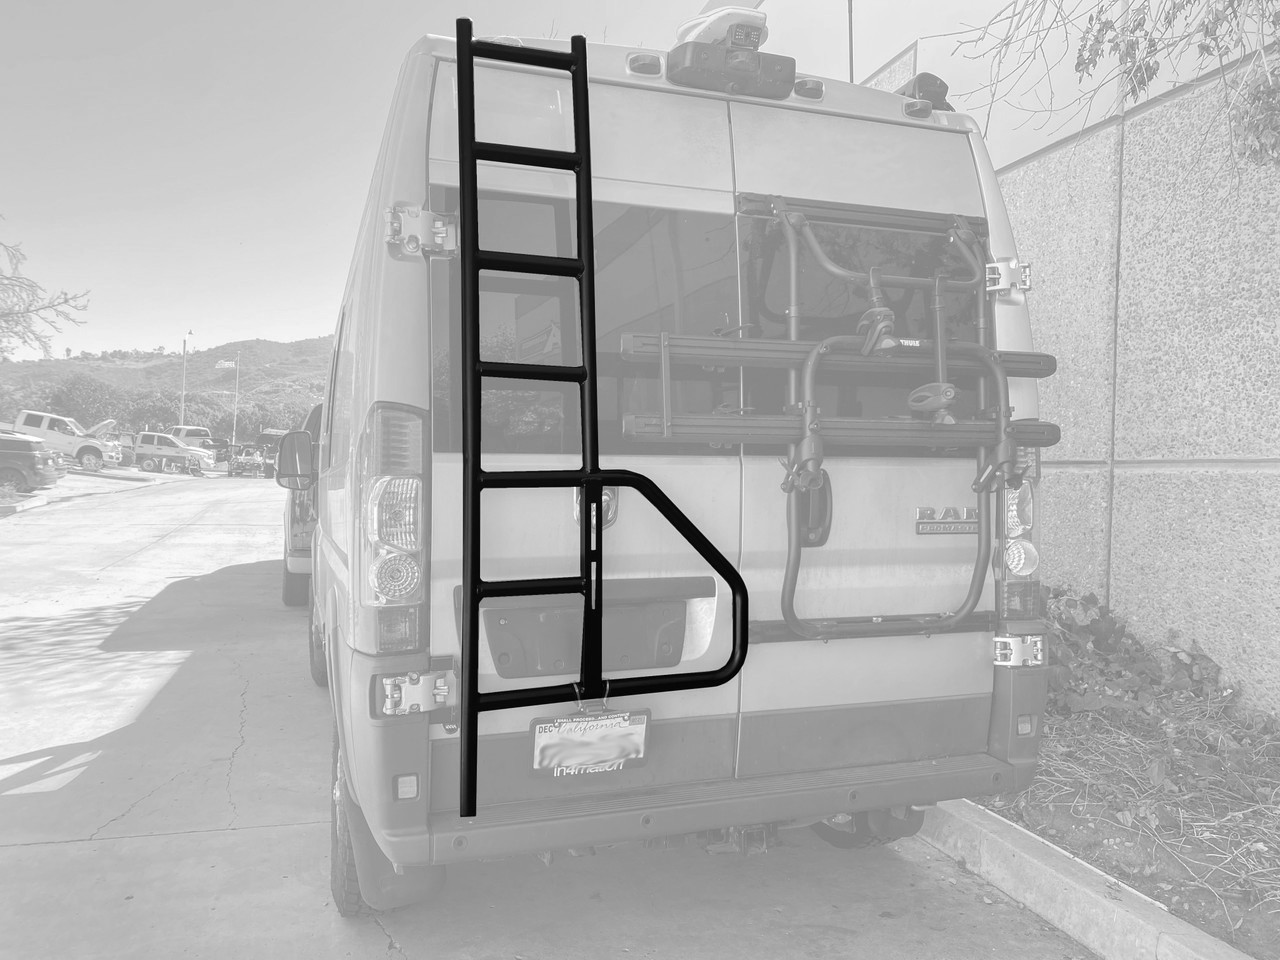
1157,285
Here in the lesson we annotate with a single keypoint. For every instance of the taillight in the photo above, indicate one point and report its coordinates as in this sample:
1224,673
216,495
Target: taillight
1018,561
394,532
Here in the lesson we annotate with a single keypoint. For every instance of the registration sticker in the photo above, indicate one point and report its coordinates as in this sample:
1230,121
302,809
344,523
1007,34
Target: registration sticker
589,743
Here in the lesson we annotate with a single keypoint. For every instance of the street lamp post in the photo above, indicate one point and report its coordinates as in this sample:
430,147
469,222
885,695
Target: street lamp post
182,404
235,403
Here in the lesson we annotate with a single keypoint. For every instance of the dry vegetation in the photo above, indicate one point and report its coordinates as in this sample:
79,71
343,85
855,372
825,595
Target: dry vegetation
1154,772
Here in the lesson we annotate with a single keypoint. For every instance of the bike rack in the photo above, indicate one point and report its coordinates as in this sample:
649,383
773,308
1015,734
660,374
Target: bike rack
590,479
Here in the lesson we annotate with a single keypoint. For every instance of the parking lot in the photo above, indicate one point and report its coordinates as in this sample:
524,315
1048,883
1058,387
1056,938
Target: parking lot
165,779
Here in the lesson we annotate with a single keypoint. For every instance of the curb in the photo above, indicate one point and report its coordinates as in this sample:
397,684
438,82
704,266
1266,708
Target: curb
1098,911
9,509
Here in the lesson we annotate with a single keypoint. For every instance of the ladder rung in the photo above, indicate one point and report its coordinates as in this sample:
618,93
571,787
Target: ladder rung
551,372
529,156
545,586
524,479
529,56
530,263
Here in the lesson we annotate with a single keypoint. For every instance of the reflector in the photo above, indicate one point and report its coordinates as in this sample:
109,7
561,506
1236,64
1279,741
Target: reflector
1021,558
395,576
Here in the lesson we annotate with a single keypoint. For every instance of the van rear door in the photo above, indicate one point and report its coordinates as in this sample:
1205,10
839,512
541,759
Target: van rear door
666,261
883,195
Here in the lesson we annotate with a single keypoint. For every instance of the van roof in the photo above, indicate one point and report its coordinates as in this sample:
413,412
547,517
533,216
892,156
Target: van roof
608,64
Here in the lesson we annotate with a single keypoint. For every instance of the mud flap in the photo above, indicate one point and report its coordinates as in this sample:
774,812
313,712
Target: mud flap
381,887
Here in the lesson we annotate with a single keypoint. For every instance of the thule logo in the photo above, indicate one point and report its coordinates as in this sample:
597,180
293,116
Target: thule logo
947,520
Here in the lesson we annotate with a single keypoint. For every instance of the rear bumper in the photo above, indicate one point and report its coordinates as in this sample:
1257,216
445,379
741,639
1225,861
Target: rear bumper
523,827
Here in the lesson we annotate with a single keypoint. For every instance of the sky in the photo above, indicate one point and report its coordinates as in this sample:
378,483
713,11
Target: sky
202,167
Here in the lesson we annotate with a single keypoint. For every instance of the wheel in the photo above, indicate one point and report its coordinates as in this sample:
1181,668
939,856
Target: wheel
315,650
150,465
295,589
90,460
344,881
358,869
869,828
13,481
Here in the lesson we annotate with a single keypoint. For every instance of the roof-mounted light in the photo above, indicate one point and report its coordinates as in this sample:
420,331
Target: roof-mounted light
645,64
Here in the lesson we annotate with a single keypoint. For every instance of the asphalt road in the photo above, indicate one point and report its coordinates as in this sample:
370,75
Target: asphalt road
164,786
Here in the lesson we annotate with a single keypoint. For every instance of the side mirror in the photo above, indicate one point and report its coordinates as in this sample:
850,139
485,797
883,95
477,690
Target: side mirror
295,466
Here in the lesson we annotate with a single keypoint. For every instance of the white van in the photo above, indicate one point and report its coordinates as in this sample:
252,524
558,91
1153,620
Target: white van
844,578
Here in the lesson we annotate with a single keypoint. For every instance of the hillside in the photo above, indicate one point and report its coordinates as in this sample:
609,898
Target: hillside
279,382
263,363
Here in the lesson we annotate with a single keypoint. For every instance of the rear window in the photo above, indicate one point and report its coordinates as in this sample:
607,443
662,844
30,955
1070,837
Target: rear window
657,270
831,306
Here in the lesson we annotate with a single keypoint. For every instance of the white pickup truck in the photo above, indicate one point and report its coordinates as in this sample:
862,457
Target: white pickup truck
65,436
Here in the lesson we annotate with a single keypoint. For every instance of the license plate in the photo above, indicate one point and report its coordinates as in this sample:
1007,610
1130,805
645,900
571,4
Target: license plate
589,743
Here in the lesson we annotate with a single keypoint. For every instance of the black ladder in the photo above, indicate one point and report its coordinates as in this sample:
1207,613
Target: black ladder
590,479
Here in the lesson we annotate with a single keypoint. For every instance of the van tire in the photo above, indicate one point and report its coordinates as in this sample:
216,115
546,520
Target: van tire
316,652
358,869
295,588
344,882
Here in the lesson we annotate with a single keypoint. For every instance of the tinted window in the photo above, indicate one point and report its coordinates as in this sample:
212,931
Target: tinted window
657,270
832,306
32,420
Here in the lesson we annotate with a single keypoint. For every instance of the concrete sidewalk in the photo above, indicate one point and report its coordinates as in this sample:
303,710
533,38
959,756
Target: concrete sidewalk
1101,913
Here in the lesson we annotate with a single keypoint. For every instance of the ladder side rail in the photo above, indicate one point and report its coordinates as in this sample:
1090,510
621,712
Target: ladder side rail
592,510
470,261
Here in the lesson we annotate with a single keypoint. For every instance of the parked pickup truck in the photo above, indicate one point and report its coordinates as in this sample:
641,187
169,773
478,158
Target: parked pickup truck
161,453
63,435
201,437
26,464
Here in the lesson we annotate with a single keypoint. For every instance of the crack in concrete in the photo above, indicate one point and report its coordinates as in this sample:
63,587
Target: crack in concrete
129,809
392,944
244,707
166,833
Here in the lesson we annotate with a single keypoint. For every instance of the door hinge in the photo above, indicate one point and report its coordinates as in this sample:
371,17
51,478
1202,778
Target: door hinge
413,232
1019,652
416,693
1008,274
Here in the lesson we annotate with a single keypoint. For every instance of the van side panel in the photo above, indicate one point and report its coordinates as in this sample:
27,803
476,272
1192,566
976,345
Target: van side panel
381,357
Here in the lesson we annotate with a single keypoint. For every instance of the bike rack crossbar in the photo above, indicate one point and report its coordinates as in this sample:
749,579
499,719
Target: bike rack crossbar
591,479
